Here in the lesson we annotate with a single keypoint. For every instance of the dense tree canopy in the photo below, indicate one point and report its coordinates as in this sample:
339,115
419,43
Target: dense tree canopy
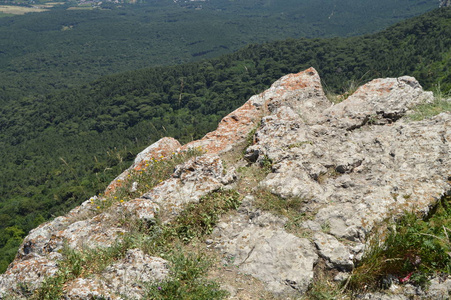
62,48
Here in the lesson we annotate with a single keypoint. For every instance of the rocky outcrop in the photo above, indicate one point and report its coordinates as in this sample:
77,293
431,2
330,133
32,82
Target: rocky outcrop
352,165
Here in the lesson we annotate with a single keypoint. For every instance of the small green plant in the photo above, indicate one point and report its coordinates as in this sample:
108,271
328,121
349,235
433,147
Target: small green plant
441,103
155,238
266,164
348,90
199,219
268,201
411,250
250,139
428,110
289,207
187,279
78,263
330,173
323,289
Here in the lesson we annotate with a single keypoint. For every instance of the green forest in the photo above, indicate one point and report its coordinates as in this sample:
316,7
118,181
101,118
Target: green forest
60,148
61,48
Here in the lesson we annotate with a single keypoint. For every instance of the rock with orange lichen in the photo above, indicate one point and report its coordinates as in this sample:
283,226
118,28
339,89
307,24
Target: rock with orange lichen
235,127
29,272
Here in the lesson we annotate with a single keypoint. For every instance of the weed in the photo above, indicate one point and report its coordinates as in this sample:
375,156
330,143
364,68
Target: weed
266,164
441,103
187,279
250,139
330,173
428,110
323,290
78,263
411,251
199,219
289,208
268,201
325,227
159,239
347,91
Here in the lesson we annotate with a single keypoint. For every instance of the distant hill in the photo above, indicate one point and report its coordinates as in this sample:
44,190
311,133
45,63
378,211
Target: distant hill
62,48
59,149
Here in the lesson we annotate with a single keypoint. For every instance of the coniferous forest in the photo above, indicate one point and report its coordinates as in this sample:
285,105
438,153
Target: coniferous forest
63,145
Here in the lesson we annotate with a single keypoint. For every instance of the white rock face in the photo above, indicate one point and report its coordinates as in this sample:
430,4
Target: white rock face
260,247
353,165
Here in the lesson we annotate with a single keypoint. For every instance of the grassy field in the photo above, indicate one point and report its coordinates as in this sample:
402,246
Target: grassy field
19,10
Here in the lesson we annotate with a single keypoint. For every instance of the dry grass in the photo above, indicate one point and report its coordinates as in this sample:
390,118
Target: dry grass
19,10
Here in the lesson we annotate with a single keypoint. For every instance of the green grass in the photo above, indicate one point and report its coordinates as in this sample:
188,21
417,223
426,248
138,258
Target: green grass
412,249
187,279
424,111
441,103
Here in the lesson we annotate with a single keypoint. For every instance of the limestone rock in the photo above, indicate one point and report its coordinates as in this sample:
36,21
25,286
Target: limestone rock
336,254
256,243
379,102
29,272
440,288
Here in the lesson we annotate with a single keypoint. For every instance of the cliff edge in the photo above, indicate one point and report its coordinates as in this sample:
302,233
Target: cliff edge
349,167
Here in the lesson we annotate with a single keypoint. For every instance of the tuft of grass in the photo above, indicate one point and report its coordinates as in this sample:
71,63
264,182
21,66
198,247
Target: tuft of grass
323,289
424,111
411,251
286,207
441,103
265,200
200,218
186,280
349,89
79,263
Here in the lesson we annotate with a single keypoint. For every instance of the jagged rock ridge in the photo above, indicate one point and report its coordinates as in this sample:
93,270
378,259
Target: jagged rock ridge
353,164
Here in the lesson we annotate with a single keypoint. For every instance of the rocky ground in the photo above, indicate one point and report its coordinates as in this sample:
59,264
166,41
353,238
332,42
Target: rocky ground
347,168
